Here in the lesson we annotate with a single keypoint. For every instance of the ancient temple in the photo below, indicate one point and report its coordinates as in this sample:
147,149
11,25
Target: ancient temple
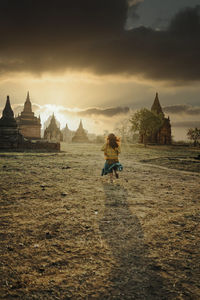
163,135
10,138
67,134
80,135
52,132
29,125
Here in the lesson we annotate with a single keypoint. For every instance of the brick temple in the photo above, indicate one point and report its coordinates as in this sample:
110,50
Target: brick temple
29,125
10,138
67,134
163,135
80,135
52,132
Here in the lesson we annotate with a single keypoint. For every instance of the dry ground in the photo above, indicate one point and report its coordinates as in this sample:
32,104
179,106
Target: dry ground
67,233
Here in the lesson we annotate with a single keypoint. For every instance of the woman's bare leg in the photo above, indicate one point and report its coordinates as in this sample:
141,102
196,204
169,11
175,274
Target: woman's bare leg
116,174
111,177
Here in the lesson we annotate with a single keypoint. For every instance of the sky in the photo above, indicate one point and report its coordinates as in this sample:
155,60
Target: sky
100,60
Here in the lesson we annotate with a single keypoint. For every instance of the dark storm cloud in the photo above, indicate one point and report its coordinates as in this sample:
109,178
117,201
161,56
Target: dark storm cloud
132,12
108,112
182,109
41,36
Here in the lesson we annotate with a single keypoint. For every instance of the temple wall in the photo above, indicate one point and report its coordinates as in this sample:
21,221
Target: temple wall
162,137
165,136
28,145
53,136
30,131
41,145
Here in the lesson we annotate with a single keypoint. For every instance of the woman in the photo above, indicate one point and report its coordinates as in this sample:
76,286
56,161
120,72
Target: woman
111,151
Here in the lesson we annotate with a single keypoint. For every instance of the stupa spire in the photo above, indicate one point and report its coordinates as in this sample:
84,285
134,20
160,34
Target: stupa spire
156,107
53,119
8,112
28,96
80,134
8,119
53,123
81,124
27,104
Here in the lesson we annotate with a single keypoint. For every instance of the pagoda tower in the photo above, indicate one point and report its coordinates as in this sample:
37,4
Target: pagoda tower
67,134
29,125
80,135
9,132
161,136
156,107
52,133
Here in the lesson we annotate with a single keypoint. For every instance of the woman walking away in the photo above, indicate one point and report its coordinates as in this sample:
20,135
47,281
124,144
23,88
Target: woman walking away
111,151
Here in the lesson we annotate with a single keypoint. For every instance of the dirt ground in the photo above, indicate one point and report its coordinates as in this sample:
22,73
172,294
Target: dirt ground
67,233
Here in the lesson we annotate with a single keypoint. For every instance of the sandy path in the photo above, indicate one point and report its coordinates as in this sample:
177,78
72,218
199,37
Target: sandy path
69,234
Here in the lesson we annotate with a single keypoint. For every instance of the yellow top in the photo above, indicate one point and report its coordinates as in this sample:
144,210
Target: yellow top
109,152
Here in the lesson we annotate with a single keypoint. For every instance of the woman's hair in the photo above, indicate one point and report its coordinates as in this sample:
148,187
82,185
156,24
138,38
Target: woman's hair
113,141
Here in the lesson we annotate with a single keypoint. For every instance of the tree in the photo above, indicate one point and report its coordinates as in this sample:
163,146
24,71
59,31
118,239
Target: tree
194,135
123,129
146,123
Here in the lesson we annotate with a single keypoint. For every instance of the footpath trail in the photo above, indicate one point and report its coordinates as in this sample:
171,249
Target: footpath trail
67,233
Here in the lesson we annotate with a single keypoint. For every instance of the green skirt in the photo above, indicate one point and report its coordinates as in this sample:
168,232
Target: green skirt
109,168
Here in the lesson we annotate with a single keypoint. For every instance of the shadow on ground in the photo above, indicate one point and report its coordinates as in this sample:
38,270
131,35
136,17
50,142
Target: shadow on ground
134,276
